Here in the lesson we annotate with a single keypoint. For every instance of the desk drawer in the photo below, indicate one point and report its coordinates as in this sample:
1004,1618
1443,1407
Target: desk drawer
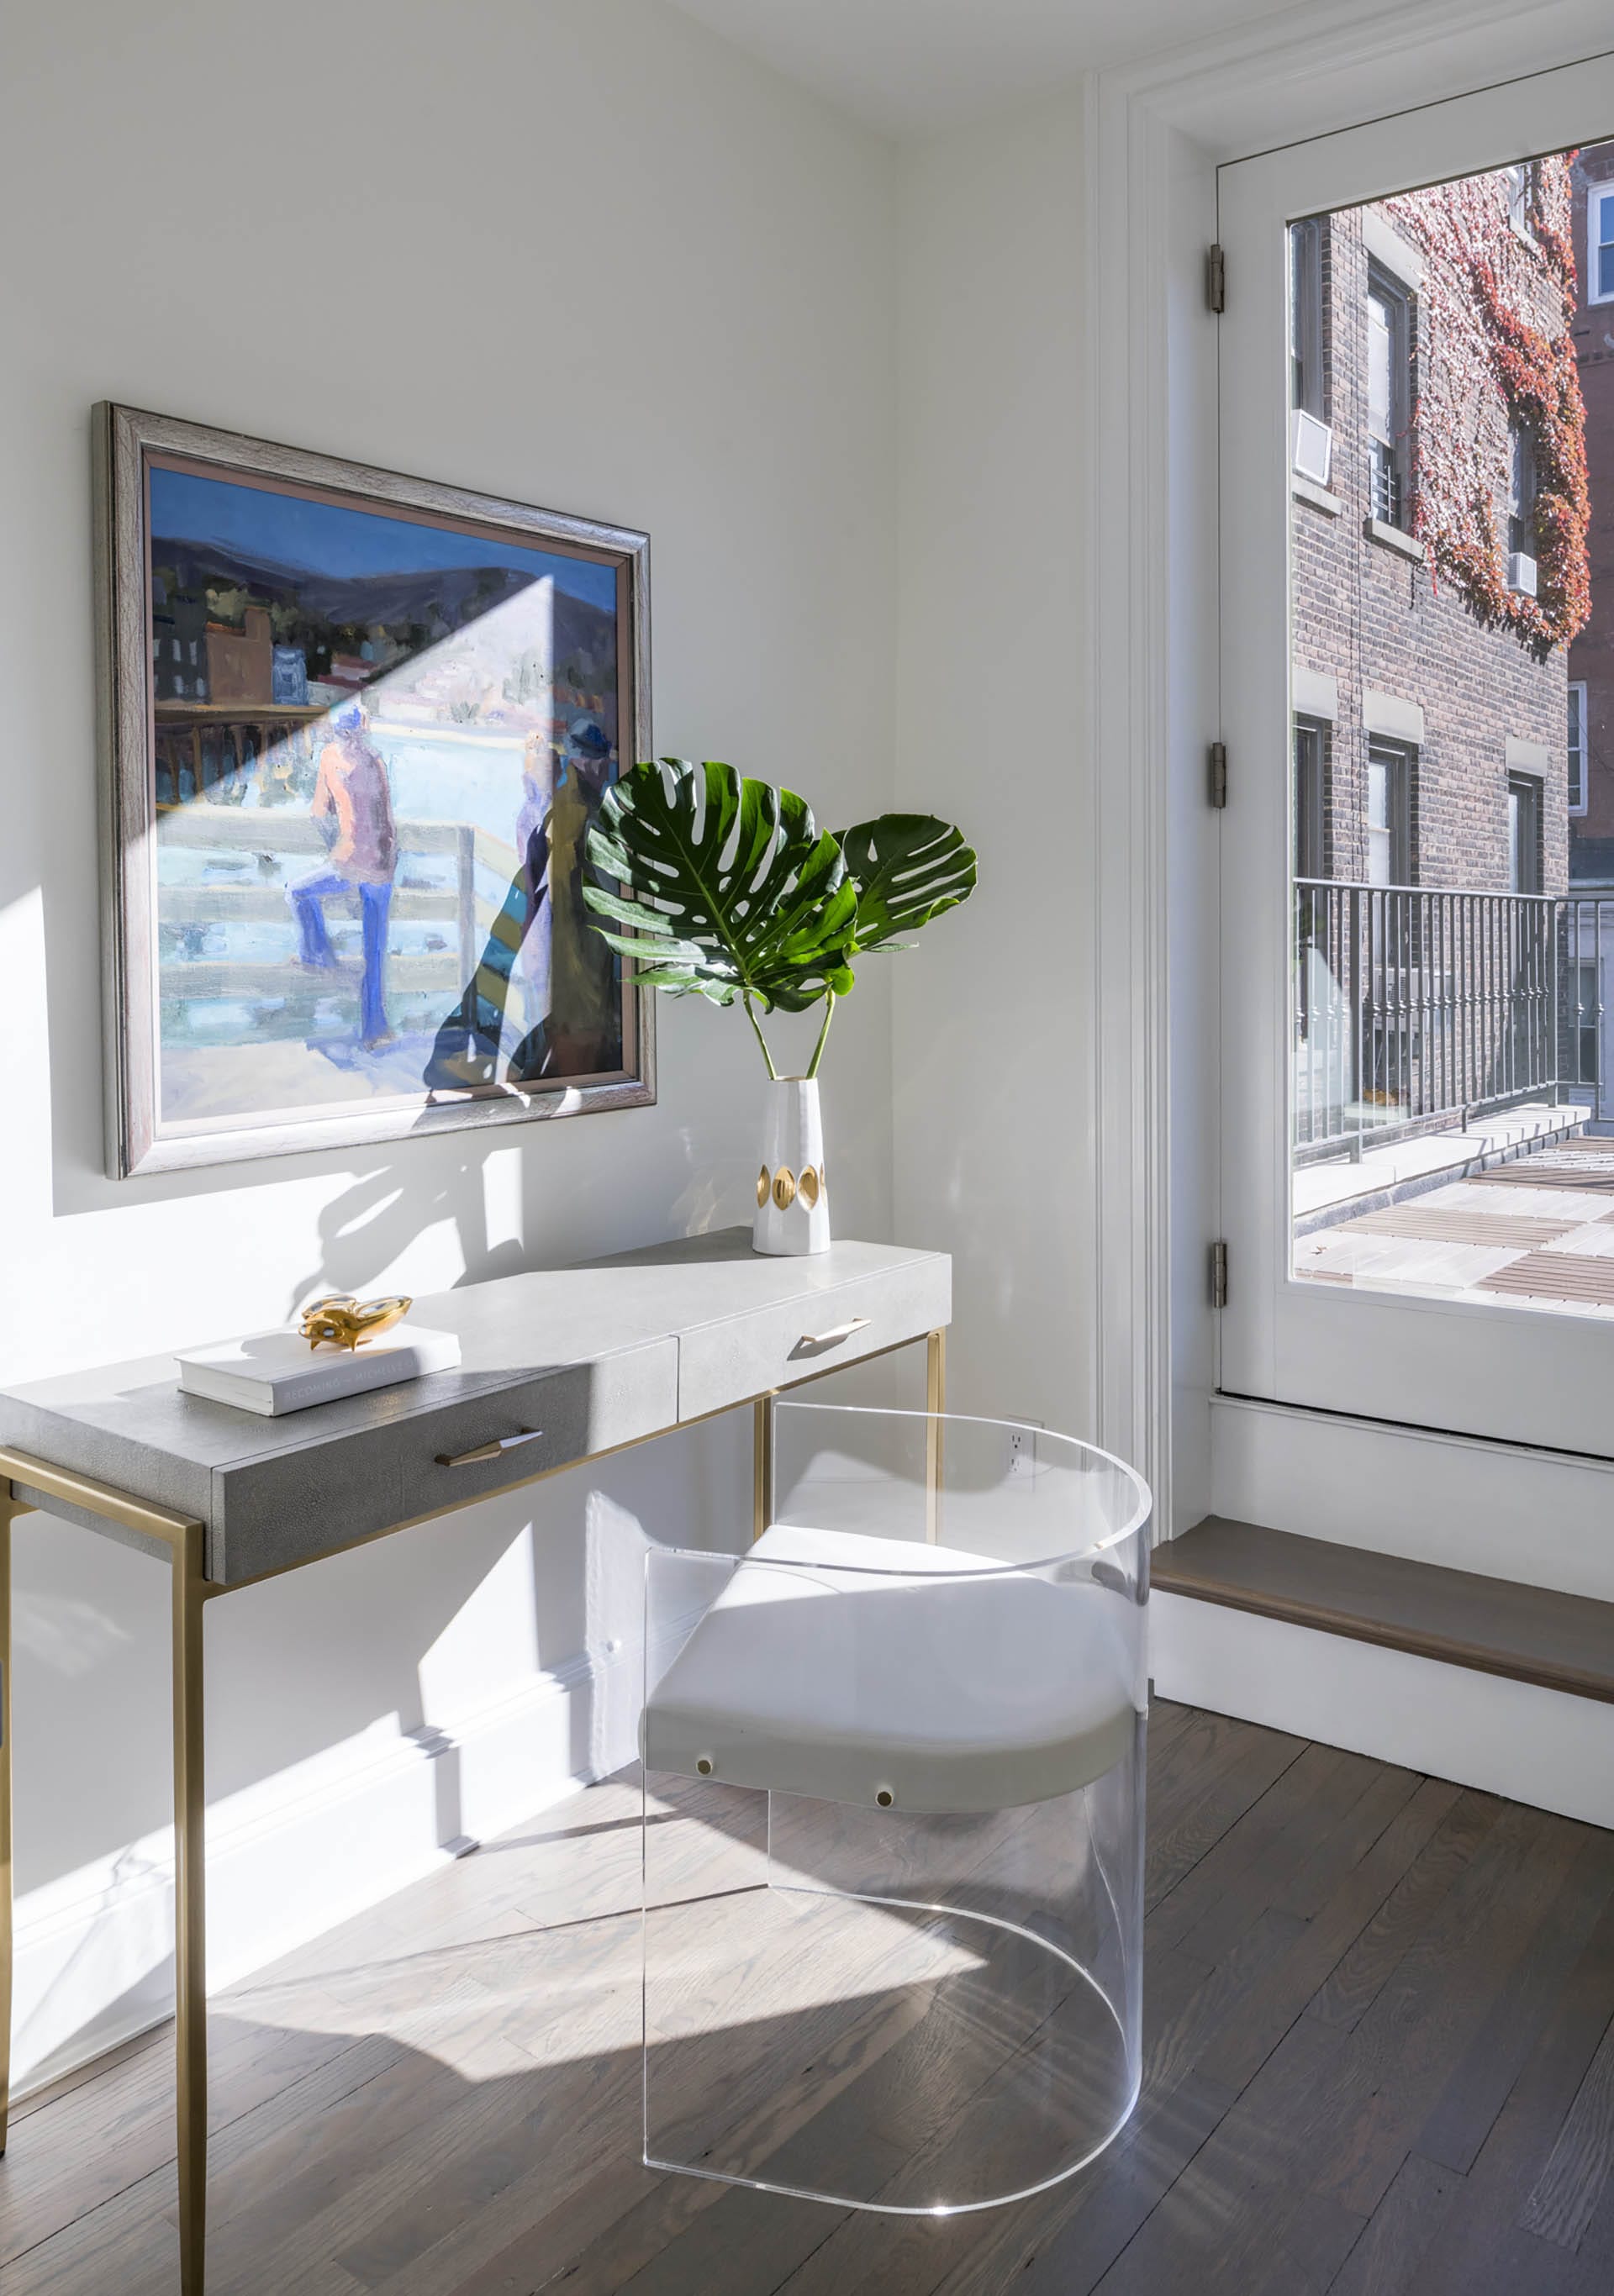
722,1363
286,1507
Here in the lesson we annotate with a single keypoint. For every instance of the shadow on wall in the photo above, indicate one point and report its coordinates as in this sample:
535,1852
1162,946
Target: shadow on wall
364,1233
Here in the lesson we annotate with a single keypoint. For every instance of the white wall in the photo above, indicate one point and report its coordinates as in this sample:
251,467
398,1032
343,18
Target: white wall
1057,682
994,1042
581,253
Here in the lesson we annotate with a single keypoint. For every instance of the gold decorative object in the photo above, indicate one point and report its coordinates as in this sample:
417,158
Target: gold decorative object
345,1322
784,1187
761,1185
809,1184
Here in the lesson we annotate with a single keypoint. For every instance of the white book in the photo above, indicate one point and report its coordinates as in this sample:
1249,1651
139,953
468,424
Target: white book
275,1371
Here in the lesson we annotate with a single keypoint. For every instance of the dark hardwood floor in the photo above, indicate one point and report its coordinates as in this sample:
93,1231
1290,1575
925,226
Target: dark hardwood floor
1379,2017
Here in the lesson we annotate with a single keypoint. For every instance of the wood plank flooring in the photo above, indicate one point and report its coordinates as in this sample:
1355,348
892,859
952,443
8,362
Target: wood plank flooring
1528,1634
1379,2037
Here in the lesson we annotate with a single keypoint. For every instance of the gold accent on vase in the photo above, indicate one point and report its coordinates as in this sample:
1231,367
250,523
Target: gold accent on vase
344,1322
809,1185
762,1179
784,1187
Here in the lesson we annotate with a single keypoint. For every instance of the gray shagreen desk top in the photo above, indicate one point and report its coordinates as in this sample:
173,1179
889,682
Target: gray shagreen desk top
595,1355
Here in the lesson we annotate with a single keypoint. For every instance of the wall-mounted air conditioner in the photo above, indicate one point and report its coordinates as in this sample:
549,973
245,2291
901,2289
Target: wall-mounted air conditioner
1522,572
1311,447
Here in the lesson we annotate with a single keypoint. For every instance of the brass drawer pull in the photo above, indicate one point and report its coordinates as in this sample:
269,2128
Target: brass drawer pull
501,1443
837,1332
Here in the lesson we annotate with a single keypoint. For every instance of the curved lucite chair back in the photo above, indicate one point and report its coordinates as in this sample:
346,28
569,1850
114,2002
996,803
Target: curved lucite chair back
1012,1493
893,1834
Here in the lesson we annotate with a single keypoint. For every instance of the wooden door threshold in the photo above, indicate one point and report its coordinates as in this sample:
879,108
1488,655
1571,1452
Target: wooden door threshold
1528,1634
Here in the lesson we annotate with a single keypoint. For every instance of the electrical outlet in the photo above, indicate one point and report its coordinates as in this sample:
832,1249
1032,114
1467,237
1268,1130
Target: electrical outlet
1022,1461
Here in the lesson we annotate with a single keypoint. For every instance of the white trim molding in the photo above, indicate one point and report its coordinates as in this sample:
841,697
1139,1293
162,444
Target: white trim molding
1542,1747
1598,197
1129,642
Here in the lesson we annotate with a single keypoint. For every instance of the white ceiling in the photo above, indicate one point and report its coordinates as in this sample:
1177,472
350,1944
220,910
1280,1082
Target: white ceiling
904,66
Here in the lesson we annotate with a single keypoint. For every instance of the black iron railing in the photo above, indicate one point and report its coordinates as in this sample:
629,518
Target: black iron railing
1416,1009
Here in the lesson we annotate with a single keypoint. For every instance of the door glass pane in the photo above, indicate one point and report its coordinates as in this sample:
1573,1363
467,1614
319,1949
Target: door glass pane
1377,822
1453,895
1602,246
1378,366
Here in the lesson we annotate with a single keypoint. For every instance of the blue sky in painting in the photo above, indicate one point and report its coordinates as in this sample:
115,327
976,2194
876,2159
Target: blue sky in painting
327,538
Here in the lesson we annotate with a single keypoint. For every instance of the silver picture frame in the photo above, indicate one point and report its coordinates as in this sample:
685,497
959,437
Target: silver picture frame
143,1135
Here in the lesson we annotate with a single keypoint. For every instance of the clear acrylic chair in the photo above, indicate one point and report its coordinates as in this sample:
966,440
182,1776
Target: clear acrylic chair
894,1819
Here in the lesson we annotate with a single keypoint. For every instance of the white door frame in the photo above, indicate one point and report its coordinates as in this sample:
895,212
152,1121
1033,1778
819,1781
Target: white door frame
1155,135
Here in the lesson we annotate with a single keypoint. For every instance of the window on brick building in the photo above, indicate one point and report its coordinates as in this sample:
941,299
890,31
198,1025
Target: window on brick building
1310,798
1524,832
1600,244
1389,815
1311,439
1577,746
1522,508
1521,198
1389,355
1306,391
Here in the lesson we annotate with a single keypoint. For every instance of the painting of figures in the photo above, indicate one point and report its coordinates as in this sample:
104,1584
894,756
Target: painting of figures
372,721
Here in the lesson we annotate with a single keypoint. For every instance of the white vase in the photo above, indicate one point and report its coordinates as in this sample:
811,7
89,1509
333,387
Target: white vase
792,1199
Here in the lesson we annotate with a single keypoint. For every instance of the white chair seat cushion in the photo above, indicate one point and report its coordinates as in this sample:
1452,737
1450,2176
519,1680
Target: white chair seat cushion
897,1674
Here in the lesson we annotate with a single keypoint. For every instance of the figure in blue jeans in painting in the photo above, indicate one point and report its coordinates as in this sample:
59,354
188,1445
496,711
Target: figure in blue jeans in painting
352,806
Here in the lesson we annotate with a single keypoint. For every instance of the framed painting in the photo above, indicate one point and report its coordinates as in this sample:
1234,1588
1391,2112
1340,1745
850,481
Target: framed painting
355,728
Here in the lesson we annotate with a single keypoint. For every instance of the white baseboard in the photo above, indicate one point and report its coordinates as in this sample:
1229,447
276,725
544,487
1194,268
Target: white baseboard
295,1856
1542,1747
1537,1517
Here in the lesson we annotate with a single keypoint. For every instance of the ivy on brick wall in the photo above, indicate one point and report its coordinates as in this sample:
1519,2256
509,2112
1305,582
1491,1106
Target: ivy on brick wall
1495,350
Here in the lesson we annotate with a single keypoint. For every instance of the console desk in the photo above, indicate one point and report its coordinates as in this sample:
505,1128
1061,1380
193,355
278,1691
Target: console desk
558,1368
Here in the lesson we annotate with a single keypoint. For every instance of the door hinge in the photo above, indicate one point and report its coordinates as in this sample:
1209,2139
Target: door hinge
1215,278
1218,1273
1218,774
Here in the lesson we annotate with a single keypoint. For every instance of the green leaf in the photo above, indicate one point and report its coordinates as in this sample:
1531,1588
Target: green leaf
907,868
728,886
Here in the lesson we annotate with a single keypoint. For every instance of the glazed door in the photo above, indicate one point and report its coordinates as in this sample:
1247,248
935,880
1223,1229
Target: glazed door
1417,486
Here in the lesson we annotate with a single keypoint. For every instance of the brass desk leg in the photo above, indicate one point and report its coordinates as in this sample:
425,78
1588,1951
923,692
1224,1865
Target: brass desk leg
190,1909
6,1511
762,1465
936,1403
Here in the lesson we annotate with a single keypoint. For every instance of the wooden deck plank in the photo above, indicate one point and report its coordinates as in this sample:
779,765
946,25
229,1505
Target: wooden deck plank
1584,1277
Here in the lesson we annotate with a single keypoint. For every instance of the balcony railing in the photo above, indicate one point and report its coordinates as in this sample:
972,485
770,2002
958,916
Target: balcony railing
1419,1010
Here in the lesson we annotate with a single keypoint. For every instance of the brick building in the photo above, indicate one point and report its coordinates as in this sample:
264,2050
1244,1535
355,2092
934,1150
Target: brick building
1591,654
1430,712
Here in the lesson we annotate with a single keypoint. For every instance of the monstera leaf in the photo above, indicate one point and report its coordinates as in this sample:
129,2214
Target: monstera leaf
729,888
907,868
